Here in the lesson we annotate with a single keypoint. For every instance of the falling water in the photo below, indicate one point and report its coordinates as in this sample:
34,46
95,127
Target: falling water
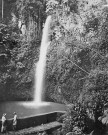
40,68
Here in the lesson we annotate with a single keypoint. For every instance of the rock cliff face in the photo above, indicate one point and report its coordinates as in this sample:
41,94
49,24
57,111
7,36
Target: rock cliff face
7,7
18,54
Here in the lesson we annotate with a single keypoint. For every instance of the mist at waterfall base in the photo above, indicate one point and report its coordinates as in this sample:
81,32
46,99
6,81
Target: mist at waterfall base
36,107
26,109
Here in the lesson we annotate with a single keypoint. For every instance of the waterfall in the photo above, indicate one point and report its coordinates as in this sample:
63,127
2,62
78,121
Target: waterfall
40,68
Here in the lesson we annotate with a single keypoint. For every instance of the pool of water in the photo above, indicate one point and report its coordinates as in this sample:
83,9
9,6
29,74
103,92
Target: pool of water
28,109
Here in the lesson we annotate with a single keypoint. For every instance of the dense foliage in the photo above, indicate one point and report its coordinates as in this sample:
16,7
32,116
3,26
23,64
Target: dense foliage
84,118
77,58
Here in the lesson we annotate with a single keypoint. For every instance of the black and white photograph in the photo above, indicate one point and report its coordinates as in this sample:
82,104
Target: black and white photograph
53,67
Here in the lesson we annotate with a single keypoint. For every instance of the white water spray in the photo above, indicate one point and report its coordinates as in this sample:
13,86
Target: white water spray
40,69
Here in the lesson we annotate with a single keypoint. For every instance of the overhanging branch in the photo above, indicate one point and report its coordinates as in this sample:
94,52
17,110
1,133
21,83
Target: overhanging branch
76,65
